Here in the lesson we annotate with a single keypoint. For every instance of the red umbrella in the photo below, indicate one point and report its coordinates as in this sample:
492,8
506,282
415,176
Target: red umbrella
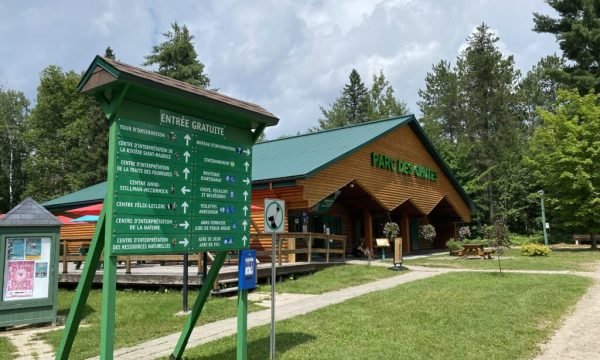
64,219
87,210
255,208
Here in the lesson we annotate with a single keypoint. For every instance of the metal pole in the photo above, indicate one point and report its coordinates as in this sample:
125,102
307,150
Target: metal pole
541,192
185,282
204,267
273,277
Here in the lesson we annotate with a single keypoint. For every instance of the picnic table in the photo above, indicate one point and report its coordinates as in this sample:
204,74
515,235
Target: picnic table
475,250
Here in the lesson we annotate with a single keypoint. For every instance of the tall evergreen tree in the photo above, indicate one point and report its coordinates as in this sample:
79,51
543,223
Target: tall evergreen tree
470,113
177,58
354,99
357,104
109,53
577,31
14,111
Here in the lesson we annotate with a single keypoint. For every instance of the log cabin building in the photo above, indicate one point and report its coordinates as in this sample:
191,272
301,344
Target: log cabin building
348,181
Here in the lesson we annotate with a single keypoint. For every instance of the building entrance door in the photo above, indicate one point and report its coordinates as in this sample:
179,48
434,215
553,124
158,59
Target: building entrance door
413,230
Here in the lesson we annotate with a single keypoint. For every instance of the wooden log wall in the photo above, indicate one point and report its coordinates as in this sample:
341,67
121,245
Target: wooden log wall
391,189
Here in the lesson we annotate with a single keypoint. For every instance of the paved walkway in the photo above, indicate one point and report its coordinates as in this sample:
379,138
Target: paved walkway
164,346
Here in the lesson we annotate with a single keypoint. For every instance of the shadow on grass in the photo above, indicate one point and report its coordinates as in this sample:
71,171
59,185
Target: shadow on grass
259,349
64,313
573,250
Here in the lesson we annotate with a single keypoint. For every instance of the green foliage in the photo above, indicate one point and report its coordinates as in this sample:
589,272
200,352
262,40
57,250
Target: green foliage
577,30
535,250
357,104
14,112
427,232
518,239
454,245
564,159
66,136
177,58
470,114
391,230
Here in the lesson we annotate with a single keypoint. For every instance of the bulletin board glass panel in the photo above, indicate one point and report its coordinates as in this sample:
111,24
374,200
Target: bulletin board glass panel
27,268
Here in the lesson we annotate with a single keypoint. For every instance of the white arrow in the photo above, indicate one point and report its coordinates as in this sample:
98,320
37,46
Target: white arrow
245,208
185,190
185,242
187,139
245,193
246,181
186,172
246,164
244,239
247,152
245,224
185,224
187,156
184,206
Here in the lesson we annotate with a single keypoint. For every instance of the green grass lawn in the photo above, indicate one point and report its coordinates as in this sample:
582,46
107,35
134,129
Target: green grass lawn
141,316
6,348
452,316
333,278
559,259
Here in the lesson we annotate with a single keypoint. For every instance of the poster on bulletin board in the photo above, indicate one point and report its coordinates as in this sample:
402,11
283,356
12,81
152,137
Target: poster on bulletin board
26,268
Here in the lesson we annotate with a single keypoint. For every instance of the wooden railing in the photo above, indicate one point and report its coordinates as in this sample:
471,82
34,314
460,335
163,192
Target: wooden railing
74,249
291,244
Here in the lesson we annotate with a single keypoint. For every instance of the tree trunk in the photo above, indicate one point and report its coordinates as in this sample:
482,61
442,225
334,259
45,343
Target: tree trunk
593,240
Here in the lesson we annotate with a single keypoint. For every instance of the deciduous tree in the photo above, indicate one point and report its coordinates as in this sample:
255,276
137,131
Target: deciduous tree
564,157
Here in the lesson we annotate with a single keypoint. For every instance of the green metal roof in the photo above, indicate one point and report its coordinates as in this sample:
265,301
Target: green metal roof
85,196
297,157
302,155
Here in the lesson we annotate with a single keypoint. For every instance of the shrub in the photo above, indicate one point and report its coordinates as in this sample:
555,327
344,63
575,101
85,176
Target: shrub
524,239
454,245
535,250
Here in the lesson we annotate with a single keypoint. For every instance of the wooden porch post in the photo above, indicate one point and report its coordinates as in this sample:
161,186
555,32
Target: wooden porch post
368,229
405,232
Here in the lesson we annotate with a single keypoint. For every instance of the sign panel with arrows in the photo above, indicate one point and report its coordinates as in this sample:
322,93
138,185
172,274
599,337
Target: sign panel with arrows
182,184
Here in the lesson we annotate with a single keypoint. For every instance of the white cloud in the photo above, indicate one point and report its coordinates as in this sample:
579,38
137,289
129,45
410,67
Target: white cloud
288,56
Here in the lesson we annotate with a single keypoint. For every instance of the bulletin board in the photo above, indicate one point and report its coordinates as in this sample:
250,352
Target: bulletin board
26,268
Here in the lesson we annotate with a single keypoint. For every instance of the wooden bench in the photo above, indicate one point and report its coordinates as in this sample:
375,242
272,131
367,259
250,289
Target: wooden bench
475,250
580,238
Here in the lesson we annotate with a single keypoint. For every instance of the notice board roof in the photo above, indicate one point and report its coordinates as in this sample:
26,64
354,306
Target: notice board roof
105,73
29,213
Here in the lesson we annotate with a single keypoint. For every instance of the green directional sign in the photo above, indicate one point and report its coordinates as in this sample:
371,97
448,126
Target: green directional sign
181,184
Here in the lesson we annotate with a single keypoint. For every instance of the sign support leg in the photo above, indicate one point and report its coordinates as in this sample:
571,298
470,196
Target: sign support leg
242,325
109,290
83,290
198,305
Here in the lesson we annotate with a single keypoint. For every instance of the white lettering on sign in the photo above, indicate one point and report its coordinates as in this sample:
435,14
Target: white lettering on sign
196,125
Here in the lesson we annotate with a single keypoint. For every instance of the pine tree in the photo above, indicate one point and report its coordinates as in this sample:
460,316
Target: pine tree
177,58
354,99
110,54
577,31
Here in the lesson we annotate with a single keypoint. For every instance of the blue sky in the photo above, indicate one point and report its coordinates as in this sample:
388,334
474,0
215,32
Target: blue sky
288,56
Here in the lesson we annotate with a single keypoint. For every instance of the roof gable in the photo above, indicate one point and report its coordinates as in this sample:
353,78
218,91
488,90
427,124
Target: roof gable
29,213
302,155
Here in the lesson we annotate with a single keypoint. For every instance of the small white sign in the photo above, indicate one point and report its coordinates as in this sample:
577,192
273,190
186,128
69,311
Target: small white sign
274,216
547,225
